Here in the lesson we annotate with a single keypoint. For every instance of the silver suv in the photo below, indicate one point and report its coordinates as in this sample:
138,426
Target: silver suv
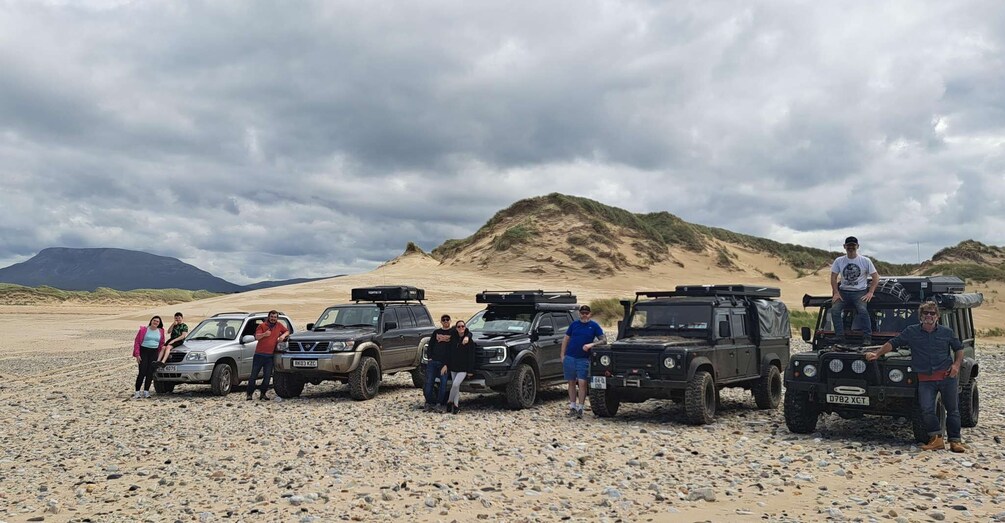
219,351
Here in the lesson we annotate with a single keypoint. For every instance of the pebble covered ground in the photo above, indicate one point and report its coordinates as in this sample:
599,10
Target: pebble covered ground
76,448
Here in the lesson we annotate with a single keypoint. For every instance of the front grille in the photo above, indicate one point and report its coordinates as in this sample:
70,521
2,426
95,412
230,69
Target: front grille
168,375
628,361
176,357
308,346
870,376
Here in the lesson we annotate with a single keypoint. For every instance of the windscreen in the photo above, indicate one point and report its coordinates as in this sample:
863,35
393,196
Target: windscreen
341,317
502,321
891,320
680,318
216,329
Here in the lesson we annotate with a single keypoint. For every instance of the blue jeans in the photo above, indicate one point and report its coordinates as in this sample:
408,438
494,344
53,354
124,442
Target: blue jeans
861,313
261,362
949,388
433,369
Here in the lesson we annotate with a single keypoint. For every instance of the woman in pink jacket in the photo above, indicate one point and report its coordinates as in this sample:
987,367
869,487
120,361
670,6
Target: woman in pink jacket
148,342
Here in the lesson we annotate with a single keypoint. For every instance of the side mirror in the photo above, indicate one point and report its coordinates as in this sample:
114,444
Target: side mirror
390,326
310,326
247,338
724,329
806,333
546,330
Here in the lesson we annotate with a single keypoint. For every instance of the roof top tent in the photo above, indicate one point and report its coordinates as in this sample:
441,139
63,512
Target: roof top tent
540,300
735,290
384,293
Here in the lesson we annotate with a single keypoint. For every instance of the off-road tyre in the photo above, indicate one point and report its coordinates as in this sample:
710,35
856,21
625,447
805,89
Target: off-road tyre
287,385
801,415
364,382
700,399
521,391
970,404
419,376
895,290
222,380
918,421
164,387
604,403
767,391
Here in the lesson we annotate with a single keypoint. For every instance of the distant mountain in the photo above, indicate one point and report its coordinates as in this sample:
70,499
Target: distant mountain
120,269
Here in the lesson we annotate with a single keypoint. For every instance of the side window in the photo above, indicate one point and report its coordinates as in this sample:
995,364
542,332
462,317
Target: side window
964,332
390,316
719,320
562,322
251,327
421,316
737,324
405,320
546,321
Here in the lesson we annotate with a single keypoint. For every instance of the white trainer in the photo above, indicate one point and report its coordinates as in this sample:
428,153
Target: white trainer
146,394
137,395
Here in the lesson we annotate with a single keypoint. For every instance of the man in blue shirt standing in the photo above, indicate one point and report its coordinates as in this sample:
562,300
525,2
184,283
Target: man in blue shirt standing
580,337
938,371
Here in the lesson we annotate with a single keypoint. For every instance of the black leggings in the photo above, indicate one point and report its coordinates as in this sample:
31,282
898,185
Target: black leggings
148,357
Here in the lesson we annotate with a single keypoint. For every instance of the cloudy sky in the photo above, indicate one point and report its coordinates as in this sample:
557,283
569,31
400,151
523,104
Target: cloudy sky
262,140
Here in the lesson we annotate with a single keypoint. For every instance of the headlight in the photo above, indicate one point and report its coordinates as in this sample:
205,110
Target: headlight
669,362
836,365
196,356
896,375
499,354
809,371
605,360
282,346
338,346
858,366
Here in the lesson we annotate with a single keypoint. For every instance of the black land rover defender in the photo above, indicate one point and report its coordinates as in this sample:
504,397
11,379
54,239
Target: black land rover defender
687,344
835,378
519,343
385,331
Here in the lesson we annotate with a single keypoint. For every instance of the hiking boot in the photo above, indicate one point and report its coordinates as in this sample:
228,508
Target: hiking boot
264,397
936,443
455,409
572,412
957,446
579,413
247,397
161,364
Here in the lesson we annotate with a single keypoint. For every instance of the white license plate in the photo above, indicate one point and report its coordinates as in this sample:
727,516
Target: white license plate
305,363
847,400
170,368
599,382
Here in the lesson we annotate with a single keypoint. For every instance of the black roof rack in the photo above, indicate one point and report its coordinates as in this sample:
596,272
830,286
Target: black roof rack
526,297
229,313
388,293
737,290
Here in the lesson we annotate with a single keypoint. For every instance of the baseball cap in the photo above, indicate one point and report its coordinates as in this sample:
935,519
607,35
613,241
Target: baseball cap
851,240
584,308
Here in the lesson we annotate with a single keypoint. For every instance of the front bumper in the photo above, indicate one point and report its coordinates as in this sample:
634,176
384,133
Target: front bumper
633,382
336,364
485,380
185,373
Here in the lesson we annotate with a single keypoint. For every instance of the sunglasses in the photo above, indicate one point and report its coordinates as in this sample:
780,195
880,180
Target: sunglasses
929,313
444,319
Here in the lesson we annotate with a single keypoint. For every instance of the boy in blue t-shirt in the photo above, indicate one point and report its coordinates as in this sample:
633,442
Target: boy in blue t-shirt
579,339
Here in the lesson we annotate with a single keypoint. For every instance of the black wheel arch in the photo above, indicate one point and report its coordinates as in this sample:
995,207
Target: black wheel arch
701,363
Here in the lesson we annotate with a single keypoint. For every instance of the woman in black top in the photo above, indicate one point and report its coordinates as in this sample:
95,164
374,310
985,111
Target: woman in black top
460,361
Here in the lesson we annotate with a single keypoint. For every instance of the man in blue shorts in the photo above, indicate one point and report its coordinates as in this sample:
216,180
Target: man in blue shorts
581,336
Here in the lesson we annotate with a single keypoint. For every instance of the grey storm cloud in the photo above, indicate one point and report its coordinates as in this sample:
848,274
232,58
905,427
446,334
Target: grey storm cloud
261,139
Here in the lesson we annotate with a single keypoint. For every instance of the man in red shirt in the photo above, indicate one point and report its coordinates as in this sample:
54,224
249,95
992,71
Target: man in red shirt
268,334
